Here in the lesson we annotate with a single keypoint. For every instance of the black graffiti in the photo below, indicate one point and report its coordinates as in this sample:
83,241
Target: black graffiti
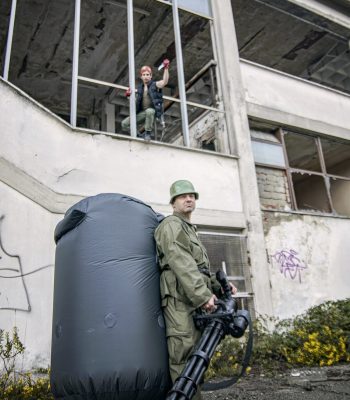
17,269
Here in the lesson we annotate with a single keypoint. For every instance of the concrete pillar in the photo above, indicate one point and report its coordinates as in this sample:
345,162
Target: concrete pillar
93,122
108,117
240,144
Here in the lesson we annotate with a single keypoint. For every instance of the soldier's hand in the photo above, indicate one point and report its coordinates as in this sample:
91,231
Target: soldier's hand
233,288
128,92
210,305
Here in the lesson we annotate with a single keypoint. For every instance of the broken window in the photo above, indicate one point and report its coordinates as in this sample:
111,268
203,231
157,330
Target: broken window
336,157
302,152
101,64
88,87
228,252
319,173
41,52
340,192
301,171
310,192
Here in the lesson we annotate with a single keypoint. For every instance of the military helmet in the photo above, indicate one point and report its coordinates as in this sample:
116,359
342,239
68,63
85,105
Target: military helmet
181,187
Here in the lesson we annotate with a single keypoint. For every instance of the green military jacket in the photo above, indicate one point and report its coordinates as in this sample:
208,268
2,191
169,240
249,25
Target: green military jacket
181,258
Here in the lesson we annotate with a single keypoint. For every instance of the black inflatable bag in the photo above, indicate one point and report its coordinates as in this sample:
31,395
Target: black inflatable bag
108,339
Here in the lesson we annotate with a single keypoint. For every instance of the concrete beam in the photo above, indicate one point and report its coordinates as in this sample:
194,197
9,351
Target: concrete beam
287,100
58,203
292,121
326,11
234,99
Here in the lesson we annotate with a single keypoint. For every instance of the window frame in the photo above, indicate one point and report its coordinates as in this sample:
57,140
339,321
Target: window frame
269,165
246,298
324,174
77,79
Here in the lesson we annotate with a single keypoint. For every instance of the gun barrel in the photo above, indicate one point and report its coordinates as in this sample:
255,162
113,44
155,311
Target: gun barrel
217,325
187,383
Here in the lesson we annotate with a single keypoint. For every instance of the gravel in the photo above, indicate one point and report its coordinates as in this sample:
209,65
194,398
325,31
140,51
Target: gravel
327,383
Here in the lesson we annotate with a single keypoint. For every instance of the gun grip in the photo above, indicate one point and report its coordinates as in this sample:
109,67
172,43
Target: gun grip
222,279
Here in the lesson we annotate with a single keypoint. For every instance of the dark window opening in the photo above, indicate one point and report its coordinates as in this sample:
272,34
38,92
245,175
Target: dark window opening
320,170
310,192
316,171
340,192
336,157
302,152
42,59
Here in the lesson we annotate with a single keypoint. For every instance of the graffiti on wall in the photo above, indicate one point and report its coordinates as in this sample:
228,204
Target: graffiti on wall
13,290
289,264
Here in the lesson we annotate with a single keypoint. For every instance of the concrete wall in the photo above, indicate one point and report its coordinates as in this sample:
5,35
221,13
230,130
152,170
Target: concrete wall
291,101
308,260
308,254
239,142
27,247
273,188
76,162
45,167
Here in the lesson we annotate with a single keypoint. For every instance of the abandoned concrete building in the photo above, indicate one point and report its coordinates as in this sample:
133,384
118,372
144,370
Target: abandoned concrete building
256,115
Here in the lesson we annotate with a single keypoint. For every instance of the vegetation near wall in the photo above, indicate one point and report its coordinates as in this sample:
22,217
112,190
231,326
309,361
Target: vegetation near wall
320,337
16,385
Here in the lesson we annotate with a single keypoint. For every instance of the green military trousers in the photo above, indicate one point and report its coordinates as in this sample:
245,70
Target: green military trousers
182,335
146,116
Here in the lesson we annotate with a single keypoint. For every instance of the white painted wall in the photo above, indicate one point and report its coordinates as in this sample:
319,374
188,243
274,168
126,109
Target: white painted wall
26,231
85,164
319,268
40,150
293,101
44,162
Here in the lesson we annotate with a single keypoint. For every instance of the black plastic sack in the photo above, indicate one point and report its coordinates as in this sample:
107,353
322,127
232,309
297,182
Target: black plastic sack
108,339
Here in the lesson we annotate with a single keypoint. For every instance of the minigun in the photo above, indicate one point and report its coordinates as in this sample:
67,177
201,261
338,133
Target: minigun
226,320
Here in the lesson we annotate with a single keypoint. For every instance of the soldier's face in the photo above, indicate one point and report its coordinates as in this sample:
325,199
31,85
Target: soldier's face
185,203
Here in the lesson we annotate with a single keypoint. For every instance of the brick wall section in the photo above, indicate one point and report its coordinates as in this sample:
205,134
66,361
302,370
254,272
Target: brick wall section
273,188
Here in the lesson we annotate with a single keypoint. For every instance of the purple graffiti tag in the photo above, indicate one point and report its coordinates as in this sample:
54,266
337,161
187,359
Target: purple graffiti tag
289,263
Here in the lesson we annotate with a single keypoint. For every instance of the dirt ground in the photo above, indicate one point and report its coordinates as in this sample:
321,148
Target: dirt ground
328,383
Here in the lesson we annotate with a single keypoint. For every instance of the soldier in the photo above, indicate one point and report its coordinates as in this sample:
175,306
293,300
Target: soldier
149,99
186,283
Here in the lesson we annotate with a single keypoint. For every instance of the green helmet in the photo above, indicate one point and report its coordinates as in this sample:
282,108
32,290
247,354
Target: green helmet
182,187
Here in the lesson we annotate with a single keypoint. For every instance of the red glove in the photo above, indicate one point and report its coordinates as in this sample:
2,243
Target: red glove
128,92
166,63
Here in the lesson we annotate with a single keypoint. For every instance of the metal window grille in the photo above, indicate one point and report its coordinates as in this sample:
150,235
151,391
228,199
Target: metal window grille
228,252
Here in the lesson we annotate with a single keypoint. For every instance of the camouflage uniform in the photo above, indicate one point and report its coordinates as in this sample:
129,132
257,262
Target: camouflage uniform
185,285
